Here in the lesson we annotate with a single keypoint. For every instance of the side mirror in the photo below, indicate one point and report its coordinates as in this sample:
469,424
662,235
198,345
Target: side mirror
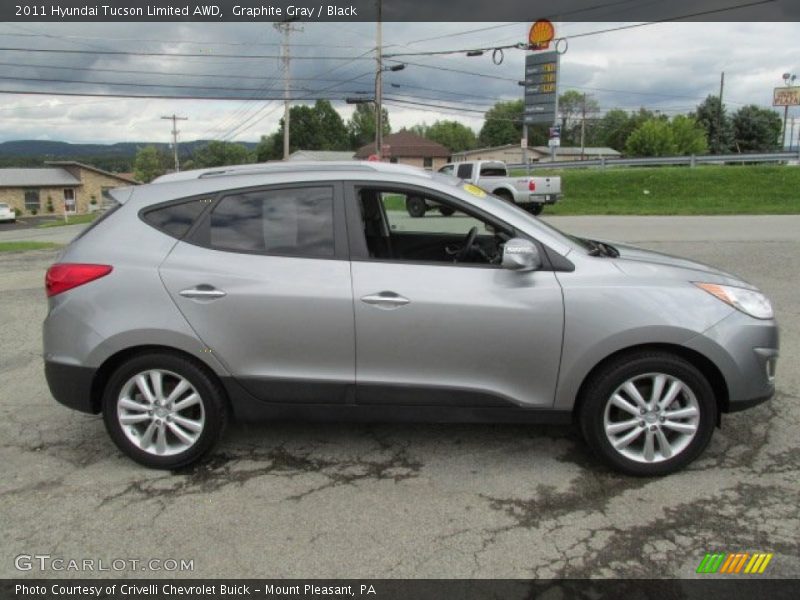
521,255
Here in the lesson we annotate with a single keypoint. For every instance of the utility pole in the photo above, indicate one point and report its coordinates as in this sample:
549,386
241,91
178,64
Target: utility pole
286,28
583,126
379,85
791,136
719,114
175,118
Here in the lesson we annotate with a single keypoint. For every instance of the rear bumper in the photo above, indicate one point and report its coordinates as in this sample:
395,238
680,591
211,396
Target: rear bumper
541,199
71,385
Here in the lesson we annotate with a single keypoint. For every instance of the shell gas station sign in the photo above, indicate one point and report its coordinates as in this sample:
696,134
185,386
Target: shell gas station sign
541,74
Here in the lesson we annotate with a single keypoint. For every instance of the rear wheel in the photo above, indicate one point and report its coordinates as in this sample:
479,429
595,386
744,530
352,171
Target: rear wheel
416,207
535,209
163,410
648,413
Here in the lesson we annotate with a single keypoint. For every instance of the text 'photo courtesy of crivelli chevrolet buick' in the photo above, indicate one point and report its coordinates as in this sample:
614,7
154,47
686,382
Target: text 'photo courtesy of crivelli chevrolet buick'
306,291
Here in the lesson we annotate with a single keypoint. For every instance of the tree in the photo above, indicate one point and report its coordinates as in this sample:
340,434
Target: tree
756,129
450,134
150,162
614,128
572,105
361,127
719,131
652,138
502,124
331,127
270,147
689,136
218,154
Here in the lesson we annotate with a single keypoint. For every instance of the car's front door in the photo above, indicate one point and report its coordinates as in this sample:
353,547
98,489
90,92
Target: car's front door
264,280
433,332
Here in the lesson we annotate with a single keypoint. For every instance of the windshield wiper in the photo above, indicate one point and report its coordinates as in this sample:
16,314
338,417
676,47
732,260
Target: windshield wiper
601,249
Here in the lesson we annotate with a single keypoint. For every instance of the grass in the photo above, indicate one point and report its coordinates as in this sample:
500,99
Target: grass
703,190
23,246
73,220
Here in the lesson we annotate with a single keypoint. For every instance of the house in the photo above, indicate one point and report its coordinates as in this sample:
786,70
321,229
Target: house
408,148
512,153
321,155
60,186
542,153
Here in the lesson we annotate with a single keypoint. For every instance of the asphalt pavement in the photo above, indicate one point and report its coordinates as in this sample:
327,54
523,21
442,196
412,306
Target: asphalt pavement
390,500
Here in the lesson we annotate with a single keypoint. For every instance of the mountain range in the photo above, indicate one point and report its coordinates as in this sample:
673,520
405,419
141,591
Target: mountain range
68,151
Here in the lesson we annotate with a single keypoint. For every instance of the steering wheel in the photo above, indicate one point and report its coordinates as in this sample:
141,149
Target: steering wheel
469,240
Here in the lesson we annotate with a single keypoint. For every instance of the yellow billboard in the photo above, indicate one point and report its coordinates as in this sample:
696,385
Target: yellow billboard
786,96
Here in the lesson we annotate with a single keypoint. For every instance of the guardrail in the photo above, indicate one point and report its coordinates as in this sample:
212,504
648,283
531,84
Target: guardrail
691,161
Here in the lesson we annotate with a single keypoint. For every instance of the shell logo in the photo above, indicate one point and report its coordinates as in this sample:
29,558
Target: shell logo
541,34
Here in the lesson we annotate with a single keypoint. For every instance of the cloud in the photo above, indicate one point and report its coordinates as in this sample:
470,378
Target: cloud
670,66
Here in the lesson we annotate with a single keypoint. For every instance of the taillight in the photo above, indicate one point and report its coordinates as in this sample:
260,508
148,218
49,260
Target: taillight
532,185
65,276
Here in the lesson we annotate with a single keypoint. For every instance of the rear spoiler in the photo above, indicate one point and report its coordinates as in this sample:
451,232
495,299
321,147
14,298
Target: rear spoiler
122,194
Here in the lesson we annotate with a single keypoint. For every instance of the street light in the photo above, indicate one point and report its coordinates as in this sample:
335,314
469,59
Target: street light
788,80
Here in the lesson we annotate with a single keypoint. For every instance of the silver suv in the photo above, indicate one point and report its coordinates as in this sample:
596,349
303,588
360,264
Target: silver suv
305,291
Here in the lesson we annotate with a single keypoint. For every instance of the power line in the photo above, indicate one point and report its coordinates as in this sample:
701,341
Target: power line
171,54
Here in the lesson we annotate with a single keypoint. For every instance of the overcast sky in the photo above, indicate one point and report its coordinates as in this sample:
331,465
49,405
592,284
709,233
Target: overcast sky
669,66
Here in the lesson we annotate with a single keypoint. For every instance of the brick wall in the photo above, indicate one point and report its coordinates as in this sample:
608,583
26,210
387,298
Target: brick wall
15,198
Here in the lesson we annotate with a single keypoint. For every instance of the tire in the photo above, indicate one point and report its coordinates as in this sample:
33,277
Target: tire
446,211
535,208
599,408
210,410
416,207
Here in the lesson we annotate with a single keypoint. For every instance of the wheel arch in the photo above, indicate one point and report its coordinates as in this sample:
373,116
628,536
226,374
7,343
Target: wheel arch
705,365
107,368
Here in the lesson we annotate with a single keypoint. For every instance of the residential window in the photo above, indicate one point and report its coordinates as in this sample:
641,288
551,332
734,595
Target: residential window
293,222
427,162
32,200
69,200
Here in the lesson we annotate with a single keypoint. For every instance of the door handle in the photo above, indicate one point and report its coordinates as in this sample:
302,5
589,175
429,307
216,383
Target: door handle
386,300
202,292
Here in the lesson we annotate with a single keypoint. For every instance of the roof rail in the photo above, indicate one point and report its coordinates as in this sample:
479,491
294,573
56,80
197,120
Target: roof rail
285,167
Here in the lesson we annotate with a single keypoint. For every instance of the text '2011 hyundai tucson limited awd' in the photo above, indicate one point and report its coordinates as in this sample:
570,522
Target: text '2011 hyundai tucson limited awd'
305,291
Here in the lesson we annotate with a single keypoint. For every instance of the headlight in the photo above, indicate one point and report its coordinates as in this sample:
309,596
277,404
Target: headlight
749,302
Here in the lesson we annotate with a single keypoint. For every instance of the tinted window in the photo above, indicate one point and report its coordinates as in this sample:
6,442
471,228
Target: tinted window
176,219
465,171
296,222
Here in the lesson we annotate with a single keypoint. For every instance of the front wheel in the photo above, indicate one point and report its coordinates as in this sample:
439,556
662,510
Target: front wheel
648,414
163,410
446,211
416,207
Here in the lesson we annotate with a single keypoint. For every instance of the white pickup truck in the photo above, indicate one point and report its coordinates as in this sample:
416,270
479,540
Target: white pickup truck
530,193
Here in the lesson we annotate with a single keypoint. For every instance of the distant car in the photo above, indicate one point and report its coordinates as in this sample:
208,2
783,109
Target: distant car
7,213
288,290
529,193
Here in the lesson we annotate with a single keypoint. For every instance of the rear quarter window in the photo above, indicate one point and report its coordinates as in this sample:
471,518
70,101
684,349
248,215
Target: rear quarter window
177,218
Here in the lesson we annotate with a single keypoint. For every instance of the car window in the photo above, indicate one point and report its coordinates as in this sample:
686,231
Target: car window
3,205
176,219
438,218
465,171
447,169
295,222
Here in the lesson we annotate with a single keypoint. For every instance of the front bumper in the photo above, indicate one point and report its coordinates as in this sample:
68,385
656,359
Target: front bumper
746,352
71,385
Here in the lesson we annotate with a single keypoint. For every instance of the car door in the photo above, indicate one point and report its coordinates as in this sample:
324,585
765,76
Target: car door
264,281
439,333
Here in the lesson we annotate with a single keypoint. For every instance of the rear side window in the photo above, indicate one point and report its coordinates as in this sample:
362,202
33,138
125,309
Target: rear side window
465,171
294,222
176,219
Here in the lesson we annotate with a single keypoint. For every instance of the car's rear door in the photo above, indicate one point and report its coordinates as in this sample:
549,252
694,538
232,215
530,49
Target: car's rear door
264,280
